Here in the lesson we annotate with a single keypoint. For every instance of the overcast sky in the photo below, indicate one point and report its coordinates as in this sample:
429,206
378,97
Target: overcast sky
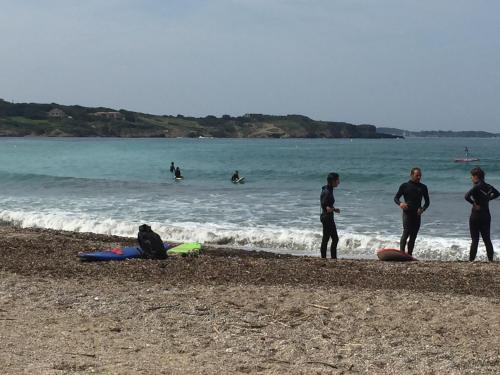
412,64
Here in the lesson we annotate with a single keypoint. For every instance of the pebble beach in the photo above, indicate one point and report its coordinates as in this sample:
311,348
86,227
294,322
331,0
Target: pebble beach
234,311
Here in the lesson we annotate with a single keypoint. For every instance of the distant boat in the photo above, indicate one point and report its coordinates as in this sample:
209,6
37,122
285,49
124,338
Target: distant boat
467,159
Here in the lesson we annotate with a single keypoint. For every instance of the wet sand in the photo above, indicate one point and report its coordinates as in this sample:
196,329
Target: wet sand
231,311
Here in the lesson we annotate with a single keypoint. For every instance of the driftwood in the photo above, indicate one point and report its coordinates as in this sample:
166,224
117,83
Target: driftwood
82,354
153,308
321,363
319,306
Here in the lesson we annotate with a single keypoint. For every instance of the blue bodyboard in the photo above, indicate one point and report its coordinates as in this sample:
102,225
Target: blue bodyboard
116,254
124,253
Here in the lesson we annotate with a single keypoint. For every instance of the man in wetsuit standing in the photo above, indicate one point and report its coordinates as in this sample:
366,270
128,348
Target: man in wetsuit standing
413,191
327,201
480,218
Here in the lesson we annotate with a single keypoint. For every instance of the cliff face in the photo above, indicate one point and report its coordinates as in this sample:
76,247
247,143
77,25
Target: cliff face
53,120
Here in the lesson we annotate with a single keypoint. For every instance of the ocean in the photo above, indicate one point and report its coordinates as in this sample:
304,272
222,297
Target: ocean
111,186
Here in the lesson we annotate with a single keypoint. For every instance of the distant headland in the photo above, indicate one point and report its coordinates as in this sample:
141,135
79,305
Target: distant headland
55,120
438,133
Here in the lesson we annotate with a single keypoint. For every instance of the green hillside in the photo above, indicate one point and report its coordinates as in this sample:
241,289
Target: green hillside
54,120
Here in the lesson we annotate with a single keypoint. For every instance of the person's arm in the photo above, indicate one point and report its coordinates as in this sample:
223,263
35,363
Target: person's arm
494,193
399,194
469,196
427,201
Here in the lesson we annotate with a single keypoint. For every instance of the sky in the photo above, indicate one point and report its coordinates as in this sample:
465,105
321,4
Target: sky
409,64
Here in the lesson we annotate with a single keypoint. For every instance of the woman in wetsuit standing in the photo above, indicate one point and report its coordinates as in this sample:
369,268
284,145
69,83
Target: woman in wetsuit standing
480,218
327,201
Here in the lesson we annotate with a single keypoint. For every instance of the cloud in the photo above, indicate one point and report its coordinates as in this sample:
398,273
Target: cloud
410,64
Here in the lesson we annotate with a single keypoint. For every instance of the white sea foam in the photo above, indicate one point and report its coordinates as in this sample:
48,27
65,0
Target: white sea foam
278,239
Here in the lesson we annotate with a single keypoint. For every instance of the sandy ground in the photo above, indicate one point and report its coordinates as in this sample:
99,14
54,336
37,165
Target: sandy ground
229,312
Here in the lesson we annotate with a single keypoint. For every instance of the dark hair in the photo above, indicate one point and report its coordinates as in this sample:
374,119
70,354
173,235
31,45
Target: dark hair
414,169
478,172
332,177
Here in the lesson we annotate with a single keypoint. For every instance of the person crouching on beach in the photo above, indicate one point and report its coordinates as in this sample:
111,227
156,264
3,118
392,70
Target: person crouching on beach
480,218
413,191
327,215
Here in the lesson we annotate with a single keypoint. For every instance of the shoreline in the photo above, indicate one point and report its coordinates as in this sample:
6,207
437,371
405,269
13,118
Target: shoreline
235,311
53,253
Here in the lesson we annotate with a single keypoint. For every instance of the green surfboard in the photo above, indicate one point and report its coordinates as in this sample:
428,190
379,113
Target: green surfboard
186,249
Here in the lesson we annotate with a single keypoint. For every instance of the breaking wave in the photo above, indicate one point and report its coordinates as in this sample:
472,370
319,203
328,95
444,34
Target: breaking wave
272,238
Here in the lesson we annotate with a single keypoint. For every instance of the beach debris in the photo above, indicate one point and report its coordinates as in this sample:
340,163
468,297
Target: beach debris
321,363
319,307
82,354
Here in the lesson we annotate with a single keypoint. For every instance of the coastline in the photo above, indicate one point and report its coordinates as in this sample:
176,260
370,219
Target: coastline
238,311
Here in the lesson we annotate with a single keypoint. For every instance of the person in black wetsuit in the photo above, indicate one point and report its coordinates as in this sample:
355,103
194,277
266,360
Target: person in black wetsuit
178,173
327,201
235,177
480,218
172,167
413,191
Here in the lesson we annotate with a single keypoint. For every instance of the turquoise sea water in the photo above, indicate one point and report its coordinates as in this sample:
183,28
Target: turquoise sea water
113,185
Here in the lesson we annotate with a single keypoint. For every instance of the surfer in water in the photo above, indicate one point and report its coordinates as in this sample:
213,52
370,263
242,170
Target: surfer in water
235,177
178,173
413,191
172,167
327,201
480,218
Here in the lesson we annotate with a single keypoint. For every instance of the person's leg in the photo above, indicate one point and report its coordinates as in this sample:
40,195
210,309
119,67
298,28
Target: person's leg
326,237
335,241
406,233
485,234
414,228
474,235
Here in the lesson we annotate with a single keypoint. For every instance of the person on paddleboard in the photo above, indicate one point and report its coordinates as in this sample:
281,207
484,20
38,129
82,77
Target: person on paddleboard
327,201
235,177
413,192
172,167
178,173
480,218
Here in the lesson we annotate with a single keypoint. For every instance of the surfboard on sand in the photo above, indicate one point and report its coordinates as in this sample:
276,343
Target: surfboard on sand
131,252
394,255
185,249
